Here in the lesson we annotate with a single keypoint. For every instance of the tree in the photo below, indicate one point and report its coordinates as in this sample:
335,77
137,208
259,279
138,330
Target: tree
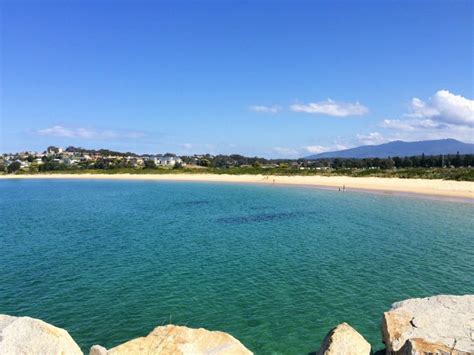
15,166
204,162
386,164
398,162
440,161
51,165
149,164
468,160
423,160
99,164
457,160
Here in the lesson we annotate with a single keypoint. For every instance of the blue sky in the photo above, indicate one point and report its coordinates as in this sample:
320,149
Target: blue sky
267,78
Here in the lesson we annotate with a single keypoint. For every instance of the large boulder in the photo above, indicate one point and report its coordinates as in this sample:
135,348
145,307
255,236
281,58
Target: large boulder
25,335
344,340
176,340
433,325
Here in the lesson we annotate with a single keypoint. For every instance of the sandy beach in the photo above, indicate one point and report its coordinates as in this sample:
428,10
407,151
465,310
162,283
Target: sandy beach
435,188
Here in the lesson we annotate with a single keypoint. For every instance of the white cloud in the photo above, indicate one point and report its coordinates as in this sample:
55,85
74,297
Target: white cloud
372,138
133,134
86,133
412,124
445,115
339,147
316,149
286,152
265,109
331,108
444,107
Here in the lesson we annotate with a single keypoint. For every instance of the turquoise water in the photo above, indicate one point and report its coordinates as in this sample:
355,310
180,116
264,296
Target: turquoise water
276,267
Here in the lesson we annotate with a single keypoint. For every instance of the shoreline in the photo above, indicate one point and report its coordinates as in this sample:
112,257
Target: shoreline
444,189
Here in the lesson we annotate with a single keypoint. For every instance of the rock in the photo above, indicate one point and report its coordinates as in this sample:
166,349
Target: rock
97,350
25,335
344,340
434,325
176,340
421,347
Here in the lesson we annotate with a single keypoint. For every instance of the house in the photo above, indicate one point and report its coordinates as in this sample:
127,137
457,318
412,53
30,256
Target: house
166,160
70,161
135,162
169,161
54,150
23,163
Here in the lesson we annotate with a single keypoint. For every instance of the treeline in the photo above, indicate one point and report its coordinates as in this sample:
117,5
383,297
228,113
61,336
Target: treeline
440,161
230,161
99,164
102,152
235,160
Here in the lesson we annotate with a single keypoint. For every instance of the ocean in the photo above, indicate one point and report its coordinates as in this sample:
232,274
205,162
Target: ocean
277,267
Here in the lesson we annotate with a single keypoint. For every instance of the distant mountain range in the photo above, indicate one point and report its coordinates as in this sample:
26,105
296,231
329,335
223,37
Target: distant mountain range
401,149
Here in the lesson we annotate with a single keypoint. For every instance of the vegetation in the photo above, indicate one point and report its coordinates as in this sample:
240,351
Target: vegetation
13,167
448,167
460,174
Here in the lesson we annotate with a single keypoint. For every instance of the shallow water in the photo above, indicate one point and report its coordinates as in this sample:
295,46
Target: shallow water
276,267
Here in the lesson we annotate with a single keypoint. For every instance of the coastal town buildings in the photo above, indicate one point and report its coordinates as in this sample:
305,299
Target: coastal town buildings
77,157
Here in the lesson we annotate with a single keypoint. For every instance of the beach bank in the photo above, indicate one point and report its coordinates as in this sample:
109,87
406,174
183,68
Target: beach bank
425,187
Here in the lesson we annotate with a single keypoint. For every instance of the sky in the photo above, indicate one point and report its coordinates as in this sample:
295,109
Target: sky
278,79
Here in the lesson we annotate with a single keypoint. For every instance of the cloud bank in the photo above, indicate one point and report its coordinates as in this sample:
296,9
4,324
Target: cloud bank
86,133
372,138
444,107
265,109
445,115
331,108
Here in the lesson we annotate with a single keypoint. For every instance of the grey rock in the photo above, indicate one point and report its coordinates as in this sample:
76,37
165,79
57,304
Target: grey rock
25,335
97,350
433,325
344,339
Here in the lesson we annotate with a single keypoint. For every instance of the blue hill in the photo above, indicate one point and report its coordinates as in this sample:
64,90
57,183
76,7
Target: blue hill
401,149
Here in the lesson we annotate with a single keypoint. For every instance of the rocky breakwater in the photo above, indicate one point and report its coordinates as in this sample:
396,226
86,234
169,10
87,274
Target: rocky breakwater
434,325
25,335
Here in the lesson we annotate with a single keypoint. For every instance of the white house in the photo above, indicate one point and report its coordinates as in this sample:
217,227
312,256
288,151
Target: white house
169,161
166,161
